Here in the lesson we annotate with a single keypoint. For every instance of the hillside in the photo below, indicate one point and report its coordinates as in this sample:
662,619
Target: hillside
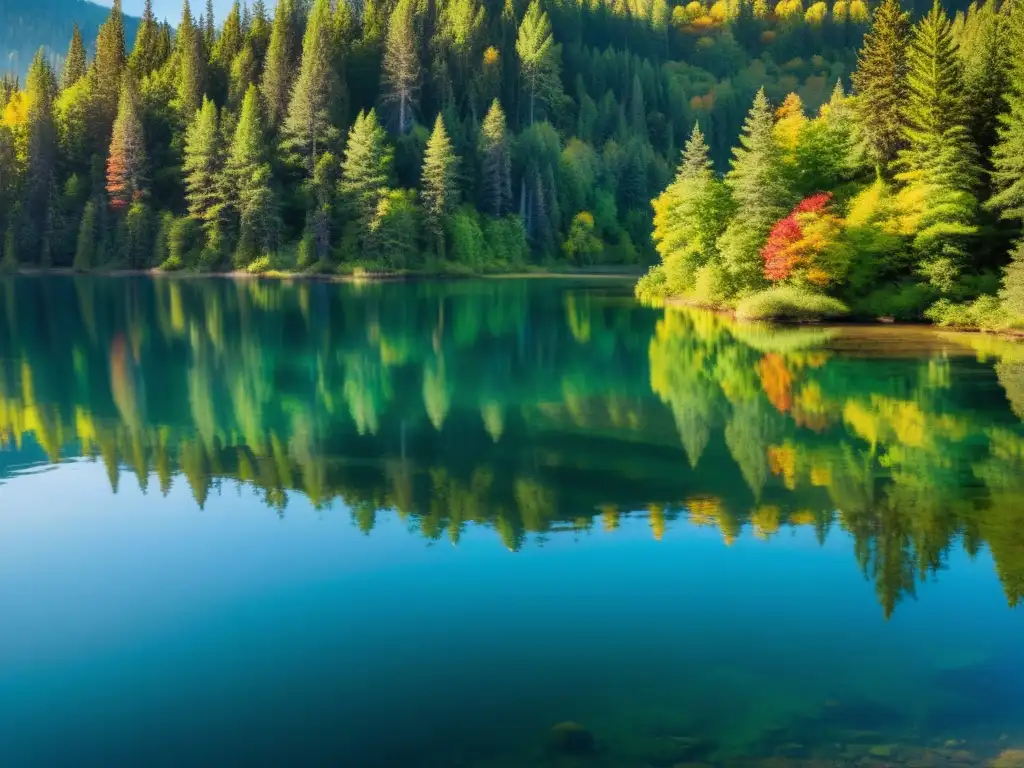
25,25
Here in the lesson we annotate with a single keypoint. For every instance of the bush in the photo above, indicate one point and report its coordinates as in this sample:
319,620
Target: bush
184,242
506,241
259,265
903,301
985,313
788,303
711,286
652,286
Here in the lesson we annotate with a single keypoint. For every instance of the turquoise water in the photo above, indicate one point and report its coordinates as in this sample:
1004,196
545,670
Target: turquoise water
423,524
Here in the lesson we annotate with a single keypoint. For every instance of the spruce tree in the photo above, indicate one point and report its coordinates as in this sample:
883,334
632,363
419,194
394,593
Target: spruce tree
366,171
538,59
209,29
440,189
107,69
41,161
309,128
880,82
146,55
202,165
126,161
190,66
496,163
401,69
276,83
249,182
230,41
984,48
75,64
1008,152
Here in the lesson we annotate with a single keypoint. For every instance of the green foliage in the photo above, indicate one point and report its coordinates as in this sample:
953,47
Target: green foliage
440,182
85,248
789,303
985,312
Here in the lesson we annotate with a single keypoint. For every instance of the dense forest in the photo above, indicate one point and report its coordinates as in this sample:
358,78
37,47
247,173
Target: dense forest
453,134
28,25
904,199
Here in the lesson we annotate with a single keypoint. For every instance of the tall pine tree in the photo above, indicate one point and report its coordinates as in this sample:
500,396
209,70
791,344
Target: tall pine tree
365,172
440,189
126,161
276,83
402,72
538,60
190,66
495,161
146,54
75,64
249,182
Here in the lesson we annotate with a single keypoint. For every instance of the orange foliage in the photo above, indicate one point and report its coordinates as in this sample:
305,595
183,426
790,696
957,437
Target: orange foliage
776,381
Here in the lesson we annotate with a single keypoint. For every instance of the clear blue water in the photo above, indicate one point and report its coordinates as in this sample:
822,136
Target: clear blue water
423,524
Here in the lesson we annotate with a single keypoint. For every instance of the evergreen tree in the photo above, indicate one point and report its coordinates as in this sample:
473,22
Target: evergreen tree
539,59
1008,151
249,180
41,165
309,126
75,64
366,171
146,54
276,83
190,66
984,49
209,29
939,162
107,68
440,191
230,41
126,161
401,74
880,81
202,165
496,162
689,216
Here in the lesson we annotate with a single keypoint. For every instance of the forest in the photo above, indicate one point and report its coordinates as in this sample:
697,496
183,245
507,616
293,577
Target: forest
454,135
902,200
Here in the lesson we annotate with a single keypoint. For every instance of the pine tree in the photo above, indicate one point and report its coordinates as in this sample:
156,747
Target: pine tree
276,84
440,190
41,166
939,162
985,52
880,82
107,69
230,41
637,111
539,59
309,127
249,180
757,183
689,216
496,163
126,161
75,64
1008,152
190,66
366,170
202,165
209,29
401,70
146,55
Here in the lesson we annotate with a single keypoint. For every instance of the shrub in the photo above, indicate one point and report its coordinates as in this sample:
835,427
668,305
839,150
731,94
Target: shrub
788,303
259,265
183,243
651,287
985,313
506,241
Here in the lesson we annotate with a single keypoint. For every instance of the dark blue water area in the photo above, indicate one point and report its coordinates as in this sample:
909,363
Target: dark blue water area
143,630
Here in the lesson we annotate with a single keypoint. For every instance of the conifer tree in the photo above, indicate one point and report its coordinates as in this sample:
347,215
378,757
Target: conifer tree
202,165
984,48
276,83
107,69
538,59
366,170
85,246
75,64
230,41
249,180
440,190
401,70
41,165
309,128
209,29
690,215
190,65
146,55
126,161
880,82
496,163
1008,151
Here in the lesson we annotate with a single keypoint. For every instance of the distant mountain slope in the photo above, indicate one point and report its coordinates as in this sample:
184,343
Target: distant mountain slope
25,25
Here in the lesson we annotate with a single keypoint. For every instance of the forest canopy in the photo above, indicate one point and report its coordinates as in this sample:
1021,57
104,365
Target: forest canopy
456,135
903,198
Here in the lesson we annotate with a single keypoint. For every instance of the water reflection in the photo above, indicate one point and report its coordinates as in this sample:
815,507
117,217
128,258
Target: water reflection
531,407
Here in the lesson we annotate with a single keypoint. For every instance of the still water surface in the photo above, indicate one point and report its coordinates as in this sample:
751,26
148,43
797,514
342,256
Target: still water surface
422,524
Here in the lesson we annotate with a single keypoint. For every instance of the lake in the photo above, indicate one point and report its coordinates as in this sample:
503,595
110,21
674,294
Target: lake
507,522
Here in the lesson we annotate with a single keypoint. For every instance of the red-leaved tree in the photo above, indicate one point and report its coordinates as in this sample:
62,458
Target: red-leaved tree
796,241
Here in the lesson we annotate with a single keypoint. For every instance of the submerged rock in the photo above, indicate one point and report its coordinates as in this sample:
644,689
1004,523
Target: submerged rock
1009,758
571,739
